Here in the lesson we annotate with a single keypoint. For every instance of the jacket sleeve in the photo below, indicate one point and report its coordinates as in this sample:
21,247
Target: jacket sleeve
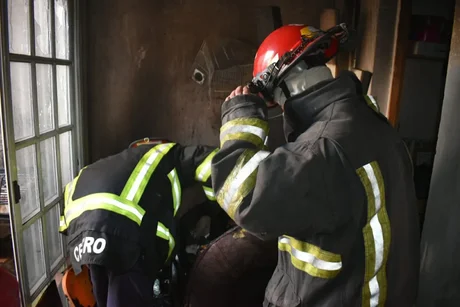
268,194
195,166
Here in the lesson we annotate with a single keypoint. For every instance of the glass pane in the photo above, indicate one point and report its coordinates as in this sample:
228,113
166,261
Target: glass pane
45,97
19,26
27,179
21,94
63,94
34,253
61,9
65,144
42,12
53,236
49,170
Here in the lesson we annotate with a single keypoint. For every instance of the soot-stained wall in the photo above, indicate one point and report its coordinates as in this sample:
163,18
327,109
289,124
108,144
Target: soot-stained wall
139,56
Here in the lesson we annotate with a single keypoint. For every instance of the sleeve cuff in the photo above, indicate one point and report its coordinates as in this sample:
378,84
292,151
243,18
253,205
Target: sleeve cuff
244,106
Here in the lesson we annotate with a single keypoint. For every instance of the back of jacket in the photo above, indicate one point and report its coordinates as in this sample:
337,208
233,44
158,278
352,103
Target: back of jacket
123,201
377,229
339,197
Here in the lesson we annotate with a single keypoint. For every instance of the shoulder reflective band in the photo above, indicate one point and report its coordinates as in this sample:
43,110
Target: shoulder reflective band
209,193
203,171
143,171
104,201
68,194
70,187
253,130
176,189
310,258
240,181
377,236
164,233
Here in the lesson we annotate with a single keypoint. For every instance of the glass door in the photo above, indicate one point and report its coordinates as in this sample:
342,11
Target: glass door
40,131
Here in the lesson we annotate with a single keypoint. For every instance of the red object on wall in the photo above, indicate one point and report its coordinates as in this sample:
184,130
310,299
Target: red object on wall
10,289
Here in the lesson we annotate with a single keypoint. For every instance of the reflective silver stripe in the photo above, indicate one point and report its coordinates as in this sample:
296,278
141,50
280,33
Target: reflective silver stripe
312,259
176,190
91,201
377,233
145,168
165,231
209,193
206,168
242,175
259,132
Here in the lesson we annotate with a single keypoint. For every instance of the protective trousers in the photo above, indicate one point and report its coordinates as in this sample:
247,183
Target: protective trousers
132,288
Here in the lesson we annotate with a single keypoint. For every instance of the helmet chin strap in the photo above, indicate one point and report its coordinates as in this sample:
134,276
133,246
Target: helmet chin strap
299,80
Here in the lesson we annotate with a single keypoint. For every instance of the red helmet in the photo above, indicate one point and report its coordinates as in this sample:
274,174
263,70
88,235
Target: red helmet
287,39
286,47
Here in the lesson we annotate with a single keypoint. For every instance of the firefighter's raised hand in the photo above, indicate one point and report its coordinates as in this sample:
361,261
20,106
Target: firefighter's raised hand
240,90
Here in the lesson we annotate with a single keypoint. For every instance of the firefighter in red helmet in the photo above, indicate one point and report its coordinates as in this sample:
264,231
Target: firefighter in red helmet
339,196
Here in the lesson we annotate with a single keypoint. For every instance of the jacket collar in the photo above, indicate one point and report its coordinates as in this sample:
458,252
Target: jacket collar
306,108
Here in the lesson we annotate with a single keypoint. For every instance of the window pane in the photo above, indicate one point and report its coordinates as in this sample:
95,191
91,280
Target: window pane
4,208
21,94
65,144
49,170
61,9
63,94
27,179
19,26
45,97
42,12
53,236
34,253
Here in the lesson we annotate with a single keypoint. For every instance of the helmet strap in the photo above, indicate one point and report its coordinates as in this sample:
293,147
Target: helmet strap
285,89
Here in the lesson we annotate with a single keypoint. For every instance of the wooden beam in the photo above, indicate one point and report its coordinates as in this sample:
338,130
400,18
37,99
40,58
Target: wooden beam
328,19
402,39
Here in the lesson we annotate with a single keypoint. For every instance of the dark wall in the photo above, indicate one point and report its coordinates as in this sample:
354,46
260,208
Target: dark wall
139,57
440,250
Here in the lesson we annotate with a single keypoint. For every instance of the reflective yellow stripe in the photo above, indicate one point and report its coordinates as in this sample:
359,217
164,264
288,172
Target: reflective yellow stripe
310,258
209,193
256,122
372,102
62,224
164,233
144,169
203,171
66,192
377,236
104,201
253,130
70,187
242,136
241,181
176,189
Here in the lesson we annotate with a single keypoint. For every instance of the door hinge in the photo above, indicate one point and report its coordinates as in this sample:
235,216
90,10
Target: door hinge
17,192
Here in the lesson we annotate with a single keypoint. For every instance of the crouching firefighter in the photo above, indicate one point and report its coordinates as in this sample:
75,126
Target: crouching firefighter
119,216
